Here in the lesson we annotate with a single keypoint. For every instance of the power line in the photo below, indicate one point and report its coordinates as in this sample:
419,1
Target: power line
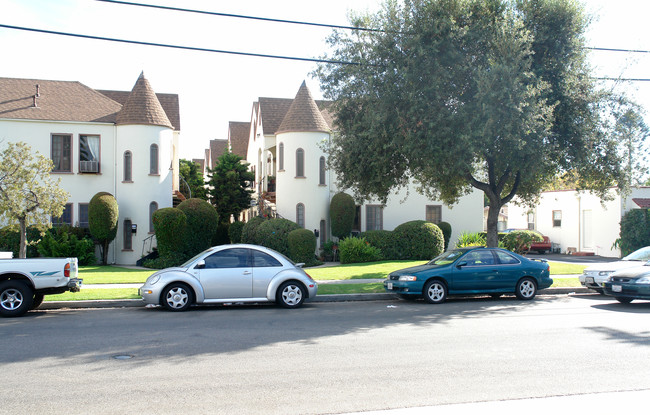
239,16
619,50
165,45
623,79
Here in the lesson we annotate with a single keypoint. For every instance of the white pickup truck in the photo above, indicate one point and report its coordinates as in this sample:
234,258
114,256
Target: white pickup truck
24,282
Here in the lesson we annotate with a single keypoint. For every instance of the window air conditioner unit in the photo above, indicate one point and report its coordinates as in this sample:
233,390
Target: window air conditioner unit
89,166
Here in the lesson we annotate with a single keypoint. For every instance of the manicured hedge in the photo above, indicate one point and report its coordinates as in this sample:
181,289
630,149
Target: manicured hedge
249,231
274,234
235,232
169,225
635,230
385,241
342,212
302,246
202,223
418,239
445,227
354,250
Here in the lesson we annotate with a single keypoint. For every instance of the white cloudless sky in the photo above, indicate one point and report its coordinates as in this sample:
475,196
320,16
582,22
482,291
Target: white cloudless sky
217,88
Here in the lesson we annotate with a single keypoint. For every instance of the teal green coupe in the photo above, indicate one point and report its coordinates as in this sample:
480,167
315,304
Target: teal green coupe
474,270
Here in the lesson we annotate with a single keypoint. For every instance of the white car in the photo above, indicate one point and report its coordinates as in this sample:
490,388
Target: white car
594,276
230,274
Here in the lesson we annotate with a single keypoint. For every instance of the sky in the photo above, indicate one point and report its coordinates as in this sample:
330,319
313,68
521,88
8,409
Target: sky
216,88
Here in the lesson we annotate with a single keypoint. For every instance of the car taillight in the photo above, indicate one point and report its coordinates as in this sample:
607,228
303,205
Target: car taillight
66,270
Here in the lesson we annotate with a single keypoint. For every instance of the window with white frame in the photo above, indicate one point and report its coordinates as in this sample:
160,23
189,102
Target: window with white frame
557,218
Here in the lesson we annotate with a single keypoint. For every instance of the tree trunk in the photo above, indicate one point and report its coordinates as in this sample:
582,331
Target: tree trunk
492,221
22,251
104,246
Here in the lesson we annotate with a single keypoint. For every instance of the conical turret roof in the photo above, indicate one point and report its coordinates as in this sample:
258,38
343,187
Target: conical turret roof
142,107
303,115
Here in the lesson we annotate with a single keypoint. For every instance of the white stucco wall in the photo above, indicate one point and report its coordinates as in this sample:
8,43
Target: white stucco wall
133,198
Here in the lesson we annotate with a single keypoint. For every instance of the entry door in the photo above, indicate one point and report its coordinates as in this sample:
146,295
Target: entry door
227,274
587,230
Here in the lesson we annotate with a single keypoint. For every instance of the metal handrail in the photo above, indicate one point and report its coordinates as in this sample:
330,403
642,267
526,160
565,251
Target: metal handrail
144,244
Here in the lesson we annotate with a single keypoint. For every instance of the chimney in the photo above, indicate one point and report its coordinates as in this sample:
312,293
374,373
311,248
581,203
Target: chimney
38,94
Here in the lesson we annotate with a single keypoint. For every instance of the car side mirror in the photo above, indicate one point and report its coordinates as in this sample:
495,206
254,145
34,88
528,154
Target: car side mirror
461,264
200,264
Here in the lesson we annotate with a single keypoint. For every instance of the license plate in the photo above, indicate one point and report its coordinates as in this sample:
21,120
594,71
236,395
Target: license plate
617,288
589,280
389,285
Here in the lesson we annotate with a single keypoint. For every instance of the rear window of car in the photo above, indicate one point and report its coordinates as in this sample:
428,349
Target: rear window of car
505,258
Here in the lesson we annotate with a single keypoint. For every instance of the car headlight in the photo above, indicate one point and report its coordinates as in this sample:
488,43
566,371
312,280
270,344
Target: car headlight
643,280
408,278
604,273
153,279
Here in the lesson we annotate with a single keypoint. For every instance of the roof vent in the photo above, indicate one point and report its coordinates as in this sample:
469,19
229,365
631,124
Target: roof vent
38,94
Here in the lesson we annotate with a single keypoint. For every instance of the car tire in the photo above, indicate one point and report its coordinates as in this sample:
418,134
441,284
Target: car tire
624,300
177,297
435,292
16,298
290,294
38,300
526,289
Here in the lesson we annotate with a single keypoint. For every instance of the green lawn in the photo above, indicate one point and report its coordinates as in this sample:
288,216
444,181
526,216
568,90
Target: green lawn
562,268
99,274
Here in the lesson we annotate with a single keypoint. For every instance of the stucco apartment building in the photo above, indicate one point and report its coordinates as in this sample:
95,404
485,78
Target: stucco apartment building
121,142
283,142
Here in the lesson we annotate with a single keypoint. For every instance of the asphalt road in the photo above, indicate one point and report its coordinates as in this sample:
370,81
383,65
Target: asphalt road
321,359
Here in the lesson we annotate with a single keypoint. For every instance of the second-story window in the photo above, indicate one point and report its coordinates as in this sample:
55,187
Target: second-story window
89,148
281,156
300,163
61,149
128,166
321,171
153,159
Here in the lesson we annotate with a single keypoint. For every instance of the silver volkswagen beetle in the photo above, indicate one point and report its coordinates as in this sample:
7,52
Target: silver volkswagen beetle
228,274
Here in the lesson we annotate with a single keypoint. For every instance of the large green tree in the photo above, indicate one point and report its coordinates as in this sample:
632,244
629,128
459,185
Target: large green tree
456,95
28,195
230,186
192,181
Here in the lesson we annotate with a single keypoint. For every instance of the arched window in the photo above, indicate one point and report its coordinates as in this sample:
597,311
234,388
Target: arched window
128,235
128,166
281,156
300,215
153,159
300,163
153,206
321,171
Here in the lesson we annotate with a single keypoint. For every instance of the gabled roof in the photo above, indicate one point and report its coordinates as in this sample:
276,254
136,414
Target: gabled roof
642,202
303,114
169,103
217,148
238,134
55,101
142,107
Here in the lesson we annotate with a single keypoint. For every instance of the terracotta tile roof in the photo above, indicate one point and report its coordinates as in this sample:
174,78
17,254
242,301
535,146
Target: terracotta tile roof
642,203
169,103
143,107
56,101
303,114
238,135
217,148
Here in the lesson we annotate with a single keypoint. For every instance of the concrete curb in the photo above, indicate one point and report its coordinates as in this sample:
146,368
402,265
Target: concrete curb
53,305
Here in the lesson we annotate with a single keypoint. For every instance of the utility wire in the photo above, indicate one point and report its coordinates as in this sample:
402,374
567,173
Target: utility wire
619,50
165,45
239,16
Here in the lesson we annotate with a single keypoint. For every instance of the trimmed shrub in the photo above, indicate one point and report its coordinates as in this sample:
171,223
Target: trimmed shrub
519,241
221,235
274,234
418,239
635,231
61,244
202,223
235,232
342,211
249,231
302,246
385,241
354,250
327,250
445,227
103,214
169,225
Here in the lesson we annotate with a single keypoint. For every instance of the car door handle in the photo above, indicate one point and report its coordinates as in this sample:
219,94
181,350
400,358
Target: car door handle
247,273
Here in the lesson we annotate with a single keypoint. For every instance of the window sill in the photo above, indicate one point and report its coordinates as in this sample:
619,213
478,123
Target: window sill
127,250
61,172
154,174
127,181
87,173
322,185
300,177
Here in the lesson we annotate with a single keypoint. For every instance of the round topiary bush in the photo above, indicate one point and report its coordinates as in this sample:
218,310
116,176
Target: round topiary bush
445,227
235,232
274,234
103,213
249,231
418,239
202,223
342,212
384,240
302,246
168,224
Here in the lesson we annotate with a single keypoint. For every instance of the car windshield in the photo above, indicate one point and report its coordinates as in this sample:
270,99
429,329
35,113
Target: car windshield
642,254
446,258
194,258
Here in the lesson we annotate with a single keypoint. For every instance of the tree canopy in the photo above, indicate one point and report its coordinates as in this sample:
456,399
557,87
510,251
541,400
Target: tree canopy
230,186
103,214
28,195
455,95
194,185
